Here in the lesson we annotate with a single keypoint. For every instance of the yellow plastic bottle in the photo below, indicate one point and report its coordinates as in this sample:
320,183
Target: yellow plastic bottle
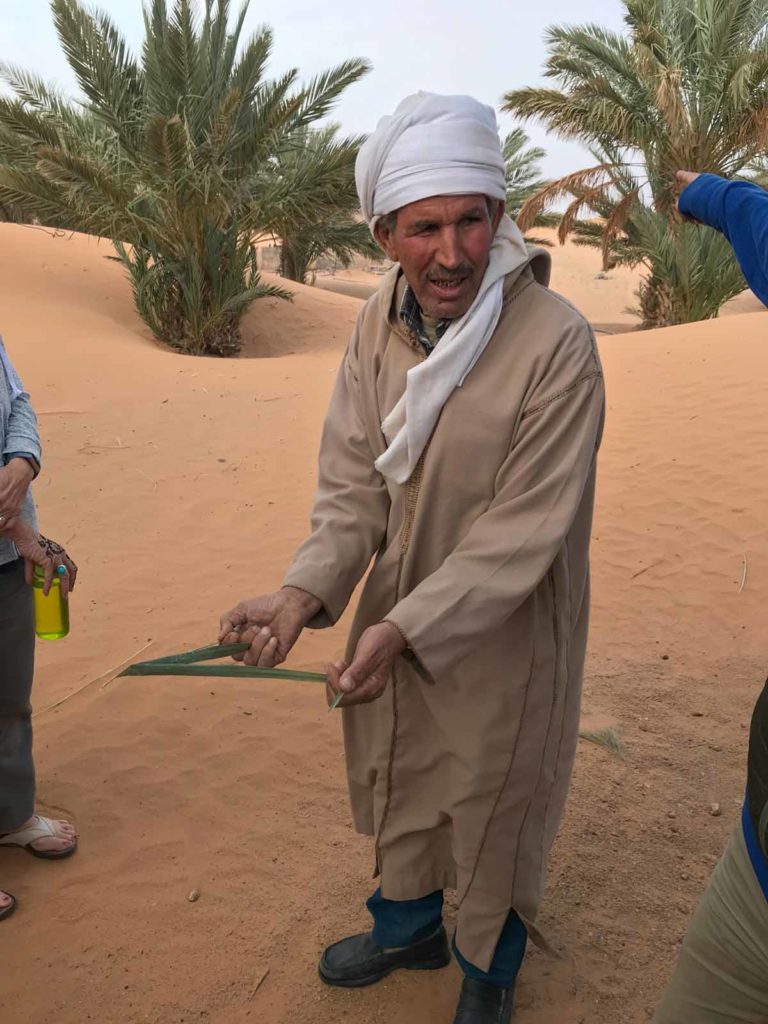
51,611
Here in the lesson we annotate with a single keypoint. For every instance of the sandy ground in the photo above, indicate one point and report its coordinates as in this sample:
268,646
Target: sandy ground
181,485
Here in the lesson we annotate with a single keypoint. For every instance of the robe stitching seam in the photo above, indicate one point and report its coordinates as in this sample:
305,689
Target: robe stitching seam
411,500
560,394
350,371
503,787
562,721
556,637
514,294
390,771
583,322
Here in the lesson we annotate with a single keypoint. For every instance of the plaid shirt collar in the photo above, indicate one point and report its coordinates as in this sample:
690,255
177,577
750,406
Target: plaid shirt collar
410,314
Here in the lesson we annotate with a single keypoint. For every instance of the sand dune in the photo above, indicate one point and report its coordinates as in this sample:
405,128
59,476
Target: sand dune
181,485
313,321
744,303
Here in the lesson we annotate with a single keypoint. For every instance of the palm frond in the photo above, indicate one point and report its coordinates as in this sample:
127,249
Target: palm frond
586,198
322,92
616,222
102,63
558,189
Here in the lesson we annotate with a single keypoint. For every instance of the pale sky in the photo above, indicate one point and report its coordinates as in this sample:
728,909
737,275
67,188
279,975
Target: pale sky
481,47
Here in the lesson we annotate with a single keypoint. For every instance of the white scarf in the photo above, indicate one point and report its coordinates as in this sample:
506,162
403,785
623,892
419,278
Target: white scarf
438,146
429,385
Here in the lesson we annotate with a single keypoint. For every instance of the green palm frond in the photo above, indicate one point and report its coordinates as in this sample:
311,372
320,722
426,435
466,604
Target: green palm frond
102,63
524,181
26,191
248,73
23,121
320,95
312,193
31,90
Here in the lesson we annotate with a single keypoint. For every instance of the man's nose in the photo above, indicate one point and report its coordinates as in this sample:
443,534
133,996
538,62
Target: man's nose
448,253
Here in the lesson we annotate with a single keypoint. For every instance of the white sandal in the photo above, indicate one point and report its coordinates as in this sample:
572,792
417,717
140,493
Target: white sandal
42,828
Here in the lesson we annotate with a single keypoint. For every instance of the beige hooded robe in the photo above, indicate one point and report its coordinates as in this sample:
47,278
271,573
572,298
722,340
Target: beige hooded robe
461,769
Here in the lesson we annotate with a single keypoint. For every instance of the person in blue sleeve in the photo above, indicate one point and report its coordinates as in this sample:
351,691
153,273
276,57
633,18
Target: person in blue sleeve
739,209
21,548
722,973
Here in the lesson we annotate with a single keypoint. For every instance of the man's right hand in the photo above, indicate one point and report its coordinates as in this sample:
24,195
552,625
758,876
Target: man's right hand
271,624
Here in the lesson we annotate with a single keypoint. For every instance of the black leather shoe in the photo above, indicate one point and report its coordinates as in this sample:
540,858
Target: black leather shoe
484,1004
359,961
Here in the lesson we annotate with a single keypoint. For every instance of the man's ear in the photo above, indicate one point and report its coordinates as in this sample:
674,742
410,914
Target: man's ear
383,234
497,214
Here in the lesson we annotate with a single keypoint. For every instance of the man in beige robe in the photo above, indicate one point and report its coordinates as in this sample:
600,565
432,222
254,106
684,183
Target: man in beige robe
458,457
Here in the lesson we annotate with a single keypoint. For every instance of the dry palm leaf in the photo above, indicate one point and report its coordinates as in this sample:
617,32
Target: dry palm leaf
607,738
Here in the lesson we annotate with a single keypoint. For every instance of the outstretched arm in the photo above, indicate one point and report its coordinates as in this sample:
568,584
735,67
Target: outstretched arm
739,210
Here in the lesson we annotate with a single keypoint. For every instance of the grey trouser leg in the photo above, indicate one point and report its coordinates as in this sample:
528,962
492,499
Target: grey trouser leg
722,974
17,654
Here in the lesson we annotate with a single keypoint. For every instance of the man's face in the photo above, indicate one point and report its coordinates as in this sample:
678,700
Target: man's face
442,244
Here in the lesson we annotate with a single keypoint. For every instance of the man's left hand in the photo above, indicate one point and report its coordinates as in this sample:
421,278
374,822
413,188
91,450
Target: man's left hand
15,479
366,678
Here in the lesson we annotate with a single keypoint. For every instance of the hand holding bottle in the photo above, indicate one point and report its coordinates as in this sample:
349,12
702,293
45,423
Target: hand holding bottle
65,569
47,555
52,574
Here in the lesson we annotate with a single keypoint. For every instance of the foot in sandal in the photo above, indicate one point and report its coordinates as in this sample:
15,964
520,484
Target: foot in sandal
43,837
7,904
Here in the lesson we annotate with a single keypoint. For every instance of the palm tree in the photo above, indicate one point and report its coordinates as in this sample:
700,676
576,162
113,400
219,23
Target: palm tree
171,155
318,156
524,180
685,88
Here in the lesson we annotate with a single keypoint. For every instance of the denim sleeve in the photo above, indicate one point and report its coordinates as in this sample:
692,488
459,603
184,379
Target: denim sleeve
21,433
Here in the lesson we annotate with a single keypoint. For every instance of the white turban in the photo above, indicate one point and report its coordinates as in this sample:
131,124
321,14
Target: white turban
438,146
431,146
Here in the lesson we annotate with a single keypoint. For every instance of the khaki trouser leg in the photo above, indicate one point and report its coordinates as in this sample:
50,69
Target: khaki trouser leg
722,974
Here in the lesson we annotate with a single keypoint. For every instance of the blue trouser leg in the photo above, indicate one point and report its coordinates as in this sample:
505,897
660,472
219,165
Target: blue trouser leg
507,960
398,923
